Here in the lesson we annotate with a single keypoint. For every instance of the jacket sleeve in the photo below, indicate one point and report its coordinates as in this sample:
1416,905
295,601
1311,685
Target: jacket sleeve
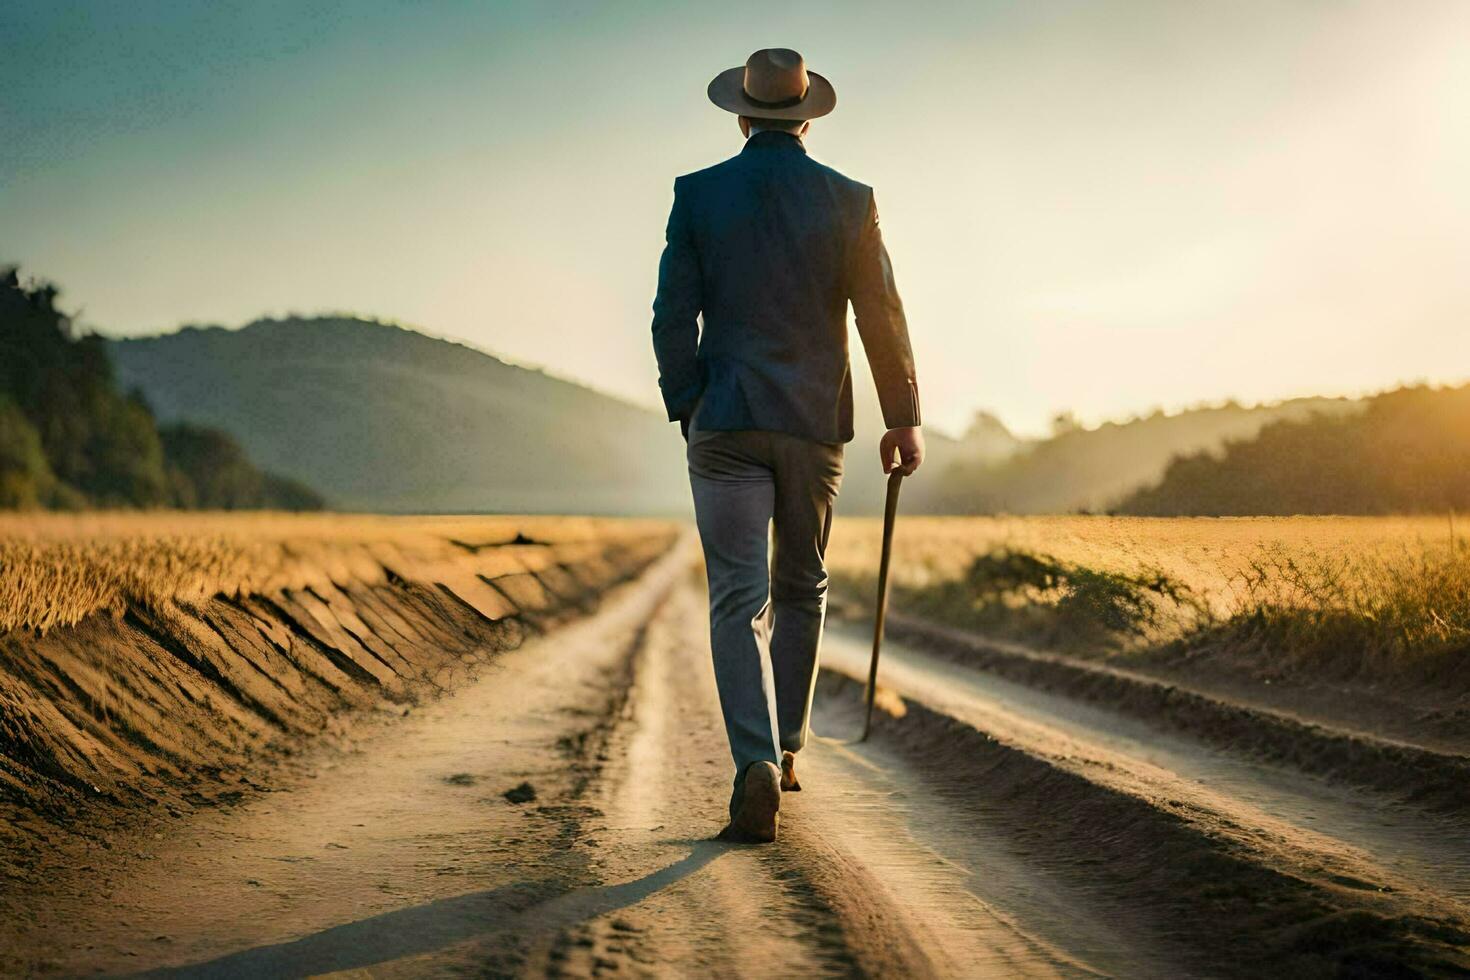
881,324
676,311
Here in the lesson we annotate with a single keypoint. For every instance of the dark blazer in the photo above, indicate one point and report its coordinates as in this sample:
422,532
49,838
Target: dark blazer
770,246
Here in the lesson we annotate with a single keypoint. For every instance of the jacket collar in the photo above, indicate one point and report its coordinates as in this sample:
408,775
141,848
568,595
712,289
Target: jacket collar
772,139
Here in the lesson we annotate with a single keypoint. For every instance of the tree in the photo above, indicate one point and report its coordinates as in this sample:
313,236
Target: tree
26,480
70,438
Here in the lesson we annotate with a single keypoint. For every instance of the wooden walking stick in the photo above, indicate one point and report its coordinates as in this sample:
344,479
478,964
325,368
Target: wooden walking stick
890,511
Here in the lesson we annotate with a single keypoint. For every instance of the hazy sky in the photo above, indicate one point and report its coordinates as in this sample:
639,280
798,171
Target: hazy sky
1102,206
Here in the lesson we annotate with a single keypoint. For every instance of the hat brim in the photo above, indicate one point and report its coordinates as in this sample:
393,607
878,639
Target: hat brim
727,91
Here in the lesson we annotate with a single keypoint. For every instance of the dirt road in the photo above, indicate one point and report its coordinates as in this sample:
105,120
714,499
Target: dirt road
555,818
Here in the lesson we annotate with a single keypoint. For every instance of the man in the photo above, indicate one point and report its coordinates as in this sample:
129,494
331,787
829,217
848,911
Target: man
770,246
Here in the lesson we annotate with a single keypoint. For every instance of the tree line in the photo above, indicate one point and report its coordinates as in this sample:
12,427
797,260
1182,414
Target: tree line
1407,451
69,438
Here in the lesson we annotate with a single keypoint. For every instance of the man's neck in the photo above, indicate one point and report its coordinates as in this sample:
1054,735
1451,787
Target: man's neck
787,132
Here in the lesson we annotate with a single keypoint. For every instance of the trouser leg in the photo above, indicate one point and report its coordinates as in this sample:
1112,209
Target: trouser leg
734,491
807,479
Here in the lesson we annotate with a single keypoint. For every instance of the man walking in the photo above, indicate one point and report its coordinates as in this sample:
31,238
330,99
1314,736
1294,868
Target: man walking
770,246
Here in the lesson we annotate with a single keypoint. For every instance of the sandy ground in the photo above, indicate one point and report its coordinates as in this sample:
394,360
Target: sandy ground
555,817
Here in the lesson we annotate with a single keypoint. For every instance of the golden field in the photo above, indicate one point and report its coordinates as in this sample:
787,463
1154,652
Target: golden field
1373,591
57,568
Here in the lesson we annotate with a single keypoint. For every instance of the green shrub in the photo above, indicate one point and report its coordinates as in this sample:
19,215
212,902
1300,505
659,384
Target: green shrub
1026,595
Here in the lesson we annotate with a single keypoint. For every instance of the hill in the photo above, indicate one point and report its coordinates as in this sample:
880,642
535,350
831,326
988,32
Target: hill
986,441
385,419
71,438
1081,469
1408,451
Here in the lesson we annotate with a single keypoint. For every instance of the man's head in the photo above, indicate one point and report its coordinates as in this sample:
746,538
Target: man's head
796,127
773,90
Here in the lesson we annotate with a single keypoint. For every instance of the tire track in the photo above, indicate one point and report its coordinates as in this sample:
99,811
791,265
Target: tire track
1415,774
1232,888
1399,847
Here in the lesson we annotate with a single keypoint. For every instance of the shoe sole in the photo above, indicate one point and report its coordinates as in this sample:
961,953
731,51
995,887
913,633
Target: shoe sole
760,805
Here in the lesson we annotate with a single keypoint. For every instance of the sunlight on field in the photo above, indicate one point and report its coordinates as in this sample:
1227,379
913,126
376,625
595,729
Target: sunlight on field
55,569
1209,555
1362,593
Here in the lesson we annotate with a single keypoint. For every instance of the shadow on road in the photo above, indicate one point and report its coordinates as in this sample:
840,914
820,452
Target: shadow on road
529,907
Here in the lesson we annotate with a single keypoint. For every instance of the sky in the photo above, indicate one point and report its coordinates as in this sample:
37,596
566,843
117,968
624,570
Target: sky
1102,206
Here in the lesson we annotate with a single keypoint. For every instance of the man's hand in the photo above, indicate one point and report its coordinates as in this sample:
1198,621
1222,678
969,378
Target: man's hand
908,444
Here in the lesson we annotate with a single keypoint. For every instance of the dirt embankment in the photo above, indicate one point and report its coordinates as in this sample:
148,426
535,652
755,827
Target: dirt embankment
1411,773
1233,898
167,662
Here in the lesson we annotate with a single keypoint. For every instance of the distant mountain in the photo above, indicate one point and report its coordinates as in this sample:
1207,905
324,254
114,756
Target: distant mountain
1093,469
1407,451
986,441
377,417
381,418
386,419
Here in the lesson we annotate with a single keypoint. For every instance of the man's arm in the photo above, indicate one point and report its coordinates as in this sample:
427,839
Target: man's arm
675,314
885,334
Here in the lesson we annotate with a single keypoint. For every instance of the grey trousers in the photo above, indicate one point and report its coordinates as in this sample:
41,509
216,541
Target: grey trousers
766,612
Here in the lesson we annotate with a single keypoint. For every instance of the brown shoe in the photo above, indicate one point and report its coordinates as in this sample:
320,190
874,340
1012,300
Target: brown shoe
789,782
757,811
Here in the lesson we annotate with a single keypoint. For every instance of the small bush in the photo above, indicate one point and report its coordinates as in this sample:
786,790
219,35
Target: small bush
1028,595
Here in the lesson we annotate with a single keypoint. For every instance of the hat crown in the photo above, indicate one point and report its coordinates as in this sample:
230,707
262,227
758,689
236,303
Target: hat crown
774,83
776,75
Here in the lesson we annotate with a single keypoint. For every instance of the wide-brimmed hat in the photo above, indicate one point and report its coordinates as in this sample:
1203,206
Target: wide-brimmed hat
774,84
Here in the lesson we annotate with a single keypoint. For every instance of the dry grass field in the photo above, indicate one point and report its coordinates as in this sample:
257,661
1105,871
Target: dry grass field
1363,598
55,569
